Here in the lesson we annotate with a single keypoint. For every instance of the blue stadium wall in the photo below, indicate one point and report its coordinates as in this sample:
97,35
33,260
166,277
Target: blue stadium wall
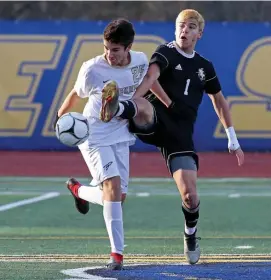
40,61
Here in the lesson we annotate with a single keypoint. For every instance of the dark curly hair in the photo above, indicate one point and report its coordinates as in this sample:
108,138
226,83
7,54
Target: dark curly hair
120,31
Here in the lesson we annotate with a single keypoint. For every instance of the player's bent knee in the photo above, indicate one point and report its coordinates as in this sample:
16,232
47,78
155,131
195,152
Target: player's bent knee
190,200
145,109
145,118
112,189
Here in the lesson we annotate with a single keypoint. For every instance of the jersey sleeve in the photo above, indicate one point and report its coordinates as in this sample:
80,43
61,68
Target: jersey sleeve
160,57
83,85
212,84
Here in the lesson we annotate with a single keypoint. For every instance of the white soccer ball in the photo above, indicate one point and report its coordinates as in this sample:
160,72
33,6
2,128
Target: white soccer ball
72,129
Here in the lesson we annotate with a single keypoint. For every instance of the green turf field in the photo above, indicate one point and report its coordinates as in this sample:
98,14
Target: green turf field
40,239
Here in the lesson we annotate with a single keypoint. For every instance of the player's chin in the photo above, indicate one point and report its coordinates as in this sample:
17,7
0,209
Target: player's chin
184,43
112,62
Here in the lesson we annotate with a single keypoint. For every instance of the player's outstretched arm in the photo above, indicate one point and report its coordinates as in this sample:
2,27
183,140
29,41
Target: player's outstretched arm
223,112
68,103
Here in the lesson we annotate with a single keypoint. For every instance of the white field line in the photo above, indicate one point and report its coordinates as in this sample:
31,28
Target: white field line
152,192
28,201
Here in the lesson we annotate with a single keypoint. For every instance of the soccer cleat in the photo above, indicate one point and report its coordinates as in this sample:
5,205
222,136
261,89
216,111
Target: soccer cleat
115,262
110,101
191,248
81,205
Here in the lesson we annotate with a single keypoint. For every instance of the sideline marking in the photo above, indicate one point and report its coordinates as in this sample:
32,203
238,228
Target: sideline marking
137,179
244,247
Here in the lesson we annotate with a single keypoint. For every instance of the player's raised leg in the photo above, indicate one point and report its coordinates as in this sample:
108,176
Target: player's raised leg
184,170
139,107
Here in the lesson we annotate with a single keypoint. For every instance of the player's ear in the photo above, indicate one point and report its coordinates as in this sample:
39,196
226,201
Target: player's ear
200,34
129,47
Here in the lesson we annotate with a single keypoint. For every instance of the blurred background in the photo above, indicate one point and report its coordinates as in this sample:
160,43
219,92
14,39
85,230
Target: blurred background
43,44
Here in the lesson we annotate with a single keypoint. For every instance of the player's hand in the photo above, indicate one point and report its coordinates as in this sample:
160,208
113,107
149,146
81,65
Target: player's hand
233,149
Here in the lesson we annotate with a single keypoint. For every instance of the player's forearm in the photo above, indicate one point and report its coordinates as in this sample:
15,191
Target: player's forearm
222,110
151,76
68,103
160,93
144,87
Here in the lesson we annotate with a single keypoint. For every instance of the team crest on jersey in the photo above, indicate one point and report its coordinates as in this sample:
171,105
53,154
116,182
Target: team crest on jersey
201,74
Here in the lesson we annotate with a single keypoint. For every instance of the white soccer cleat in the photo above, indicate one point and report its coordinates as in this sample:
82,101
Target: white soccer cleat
191,248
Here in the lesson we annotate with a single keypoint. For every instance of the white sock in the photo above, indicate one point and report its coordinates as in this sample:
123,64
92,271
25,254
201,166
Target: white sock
121,109
114,224
189,230
91,194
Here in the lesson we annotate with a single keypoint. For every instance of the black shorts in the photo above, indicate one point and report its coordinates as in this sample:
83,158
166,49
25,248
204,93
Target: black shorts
173,137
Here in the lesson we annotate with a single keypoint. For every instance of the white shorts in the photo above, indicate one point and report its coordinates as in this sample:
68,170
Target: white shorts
107,162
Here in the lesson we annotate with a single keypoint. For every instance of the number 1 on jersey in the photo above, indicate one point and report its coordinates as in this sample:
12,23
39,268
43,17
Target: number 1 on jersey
186,87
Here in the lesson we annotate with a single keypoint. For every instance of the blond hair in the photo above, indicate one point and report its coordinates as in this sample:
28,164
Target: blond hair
191,14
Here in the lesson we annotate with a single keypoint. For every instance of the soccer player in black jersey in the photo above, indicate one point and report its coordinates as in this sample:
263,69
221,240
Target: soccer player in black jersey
165,116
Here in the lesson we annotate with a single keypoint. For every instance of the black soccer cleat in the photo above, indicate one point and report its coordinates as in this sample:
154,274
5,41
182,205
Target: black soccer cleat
114,264
81,205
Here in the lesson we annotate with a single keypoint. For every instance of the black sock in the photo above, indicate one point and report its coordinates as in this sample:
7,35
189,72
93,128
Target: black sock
130,109
191,215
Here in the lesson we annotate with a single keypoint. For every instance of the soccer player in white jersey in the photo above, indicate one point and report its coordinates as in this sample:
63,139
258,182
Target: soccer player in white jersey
115,73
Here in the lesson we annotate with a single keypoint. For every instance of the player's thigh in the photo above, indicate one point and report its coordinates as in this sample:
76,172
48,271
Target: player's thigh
184,172
122,154
101,163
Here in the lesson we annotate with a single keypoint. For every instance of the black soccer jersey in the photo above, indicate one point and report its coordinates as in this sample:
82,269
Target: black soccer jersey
185,77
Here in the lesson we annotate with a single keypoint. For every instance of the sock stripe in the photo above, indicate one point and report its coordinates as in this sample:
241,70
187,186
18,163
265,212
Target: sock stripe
136,108
189,210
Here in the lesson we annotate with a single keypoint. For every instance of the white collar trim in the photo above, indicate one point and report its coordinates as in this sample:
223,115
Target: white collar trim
182,52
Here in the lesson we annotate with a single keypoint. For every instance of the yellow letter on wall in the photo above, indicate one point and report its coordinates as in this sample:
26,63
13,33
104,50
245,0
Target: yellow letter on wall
251,113
23,59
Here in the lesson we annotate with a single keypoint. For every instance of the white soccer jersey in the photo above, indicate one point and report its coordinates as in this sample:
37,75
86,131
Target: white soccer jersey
92,76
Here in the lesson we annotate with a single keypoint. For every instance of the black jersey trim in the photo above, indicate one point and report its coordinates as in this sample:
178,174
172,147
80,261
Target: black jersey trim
164,58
